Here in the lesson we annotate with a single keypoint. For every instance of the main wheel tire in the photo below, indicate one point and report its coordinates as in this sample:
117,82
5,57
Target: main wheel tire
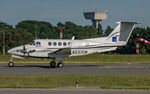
10,64
60,65
53,64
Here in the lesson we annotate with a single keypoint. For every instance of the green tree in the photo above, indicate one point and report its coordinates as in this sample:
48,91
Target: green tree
4,26
88,32
108,31
44,29
15,37
100,31
69,30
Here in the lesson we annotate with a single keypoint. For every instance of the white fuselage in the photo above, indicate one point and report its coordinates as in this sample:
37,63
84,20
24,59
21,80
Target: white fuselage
44,48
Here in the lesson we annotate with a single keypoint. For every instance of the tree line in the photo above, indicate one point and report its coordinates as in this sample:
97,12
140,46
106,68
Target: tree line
24,32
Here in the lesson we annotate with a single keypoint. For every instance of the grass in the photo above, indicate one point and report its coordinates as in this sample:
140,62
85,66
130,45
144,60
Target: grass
102,81
113,58
95,58
53,81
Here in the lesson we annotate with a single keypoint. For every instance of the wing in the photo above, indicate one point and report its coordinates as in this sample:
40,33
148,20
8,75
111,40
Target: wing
64,52
51,53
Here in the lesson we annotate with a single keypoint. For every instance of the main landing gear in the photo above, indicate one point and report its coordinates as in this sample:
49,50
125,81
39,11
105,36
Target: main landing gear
53,64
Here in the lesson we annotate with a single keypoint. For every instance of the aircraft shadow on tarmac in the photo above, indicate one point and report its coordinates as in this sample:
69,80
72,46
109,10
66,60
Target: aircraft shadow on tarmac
48,67
31,66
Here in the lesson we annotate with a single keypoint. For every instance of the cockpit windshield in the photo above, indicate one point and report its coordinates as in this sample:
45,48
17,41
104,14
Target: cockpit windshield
32,42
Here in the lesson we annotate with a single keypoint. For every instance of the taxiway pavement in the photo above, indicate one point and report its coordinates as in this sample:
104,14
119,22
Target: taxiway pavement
89,69
72,91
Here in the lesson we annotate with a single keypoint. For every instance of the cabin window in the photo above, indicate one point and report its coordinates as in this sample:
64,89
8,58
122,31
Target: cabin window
49,43
54,43
59,43
18,50
64,43
38,44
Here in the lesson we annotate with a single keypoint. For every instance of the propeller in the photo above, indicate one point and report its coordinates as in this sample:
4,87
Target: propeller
24,51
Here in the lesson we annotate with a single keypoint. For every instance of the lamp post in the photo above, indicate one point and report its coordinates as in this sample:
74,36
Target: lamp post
3,42
35,31
61,32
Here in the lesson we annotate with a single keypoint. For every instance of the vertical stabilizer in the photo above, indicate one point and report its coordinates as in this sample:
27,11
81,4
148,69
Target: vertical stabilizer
122,32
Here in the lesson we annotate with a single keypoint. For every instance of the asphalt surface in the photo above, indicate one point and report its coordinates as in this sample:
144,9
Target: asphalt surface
72,91
89,69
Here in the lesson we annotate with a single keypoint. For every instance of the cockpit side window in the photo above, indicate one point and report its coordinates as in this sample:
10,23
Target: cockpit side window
32,42
38,43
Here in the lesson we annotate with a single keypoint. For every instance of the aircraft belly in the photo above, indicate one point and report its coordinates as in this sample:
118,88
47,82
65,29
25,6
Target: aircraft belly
18,56
18,53
105,49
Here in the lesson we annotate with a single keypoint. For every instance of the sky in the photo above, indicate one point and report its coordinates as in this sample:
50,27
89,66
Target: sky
54,11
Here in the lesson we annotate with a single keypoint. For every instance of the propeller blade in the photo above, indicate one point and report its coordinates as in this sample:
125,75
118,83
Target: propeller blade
24,50
24,47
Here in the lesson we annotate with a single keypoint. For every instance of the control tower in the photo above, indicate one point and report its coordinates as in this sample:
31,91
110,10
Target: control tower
96,17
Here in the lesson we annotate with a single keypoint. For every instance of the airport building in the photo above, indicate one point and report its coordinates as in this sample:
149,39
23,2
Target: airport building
95,17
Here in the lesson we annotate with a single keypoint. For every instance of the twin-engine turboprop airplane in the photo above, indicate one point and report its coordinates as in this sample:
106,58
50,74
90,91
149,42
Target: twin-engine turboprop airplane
59,49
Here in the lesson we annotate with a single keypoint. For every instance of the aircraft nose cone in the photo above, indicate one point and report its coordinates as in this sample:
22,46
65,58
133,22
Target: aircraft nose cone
9,51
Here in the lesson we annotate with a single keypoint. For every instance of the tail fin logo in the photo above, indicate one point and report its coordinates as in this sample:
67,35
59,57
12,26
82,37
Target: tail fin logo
114,39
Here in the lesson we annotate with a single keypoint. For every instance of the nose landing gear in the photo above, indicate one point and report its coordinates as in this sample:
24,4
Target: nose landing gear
11,63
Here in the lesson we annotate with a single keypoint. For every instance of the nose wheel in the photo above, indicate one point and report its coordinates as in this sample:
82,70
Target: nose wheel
10,64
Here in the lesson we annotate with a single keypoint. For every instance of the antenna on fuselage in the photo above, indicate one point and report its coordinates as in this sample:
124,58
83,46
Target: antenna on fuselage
73,38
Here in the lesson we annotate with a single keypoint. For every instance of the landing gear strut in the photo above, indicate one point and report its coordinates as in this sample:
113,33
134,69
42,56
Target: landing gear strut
11,63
